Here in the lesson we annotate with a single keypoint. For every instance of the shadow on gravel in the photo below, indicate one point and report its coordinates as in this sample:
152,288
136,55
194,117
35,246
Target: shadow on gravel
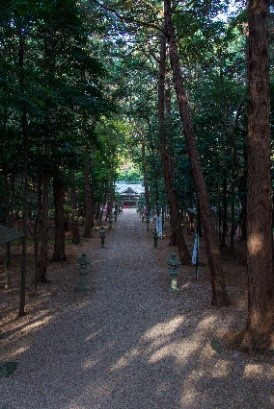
132,344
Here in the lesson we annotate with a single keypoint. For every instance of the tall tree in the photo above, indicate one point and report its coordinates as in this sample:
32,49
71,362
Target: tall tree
260,324
177,237
25,136
88,202
59,243
219,294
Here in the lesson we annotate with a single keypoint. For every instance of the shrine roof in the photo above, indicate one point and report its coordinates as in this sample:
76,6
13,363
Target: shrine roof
129,188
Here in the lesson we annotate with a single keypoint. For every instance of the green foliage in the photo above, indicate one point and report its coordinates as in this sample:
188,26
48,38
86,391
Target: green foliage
62,93
90,92
129,174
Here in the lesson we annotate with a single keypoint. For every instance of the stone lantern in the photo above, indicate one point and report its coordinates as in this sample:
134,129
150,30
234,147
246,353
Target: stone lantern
155,237
83,263
102,233
147,221
110,217
173,264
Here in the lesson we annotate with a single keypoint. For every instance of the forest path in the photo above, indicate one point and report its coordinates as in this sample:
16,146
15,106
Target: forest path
130,343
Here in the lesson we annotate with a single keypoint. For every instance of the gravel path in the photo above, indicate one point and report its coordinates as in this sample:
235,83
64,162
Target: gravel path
131,344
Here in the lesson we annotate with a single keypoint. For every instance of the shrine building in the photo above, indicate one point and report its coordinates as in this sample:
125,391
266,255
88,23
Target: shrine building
129,193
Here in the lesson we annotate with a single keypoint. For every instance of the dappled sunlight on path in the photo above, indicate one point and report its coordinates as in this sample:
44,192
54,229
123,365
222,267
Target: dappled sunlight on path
132,344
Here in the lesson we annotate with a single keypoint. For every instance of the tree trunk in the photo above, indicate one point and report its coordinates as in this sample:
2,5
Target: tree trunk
224,212
233,223
48,134
110,195
272,227
25,136
243,199
59,222
37,228
147,201
73,200
88,203
9,193
43,256
219,294
260,323
109,198
176,236
176,228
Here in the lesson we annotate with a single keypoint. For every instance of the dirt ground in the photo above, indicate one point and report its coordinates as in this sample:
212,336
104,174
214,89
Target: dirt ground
130,342
65,275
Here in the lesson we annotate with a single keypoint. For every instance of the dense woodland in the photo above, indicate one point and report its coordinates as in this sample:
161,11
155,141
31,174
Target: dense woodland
183,89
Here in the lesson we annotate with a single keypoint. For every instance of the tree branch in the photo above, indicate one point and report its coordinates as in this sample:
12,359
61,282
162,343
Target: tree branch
150,24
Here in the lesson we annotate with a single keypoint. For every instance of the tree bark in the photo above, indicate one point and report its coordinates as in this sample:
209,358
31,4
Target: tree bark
110,196
59,253
260,323
176,236
219,293
224,212
88,203
233,223
147,200
25,136
73,200
37,228
49,59
243,199
43,255
9,186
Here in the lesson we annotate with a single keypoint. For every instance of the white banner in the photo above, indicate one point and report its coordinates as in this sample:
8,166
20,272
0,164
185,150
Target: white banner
159,226
195,250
